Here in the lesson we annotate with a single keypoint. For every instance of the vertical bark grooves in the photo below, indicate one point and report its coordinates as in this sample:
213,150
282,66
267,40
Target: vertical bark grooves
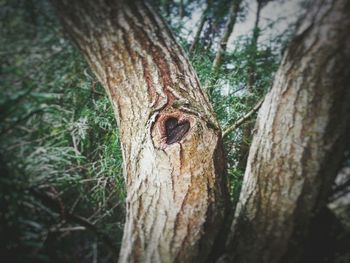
175,178
302,129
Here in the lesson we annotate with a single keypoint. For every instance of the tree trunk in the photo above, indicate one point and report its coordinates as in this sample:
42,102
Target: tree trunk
253,47
251,69
200,27
301,133
172,149
227,33
181,9
209,86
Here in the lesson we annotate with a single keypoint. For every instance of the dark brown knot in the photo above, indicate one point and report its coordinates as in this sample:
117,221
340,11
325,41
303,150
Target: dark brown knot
175,130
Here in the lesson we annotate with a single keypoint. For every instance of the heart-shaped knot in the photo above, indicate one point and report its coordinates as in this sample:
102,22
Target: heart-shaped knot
175,130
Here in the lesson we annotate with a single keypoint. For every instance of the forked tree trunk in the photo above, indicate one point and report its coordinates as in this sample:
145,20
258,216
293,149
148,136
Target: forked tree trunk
301,133
173,157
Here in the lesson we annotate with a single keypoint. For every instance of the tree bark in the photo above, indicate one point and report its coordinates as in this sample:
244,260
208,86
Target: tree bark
253,46
302,129
200,28
251,71
218,60
227,33
181,9
171,142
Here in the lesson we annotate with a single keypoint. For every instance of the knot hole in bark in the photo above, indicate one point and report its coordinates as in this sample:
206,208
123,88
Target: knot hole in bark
175,130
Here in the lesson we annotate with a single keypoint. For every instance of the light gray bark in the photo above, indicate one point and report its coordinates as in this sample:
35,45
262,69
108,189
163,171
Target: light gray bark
300,137
173,159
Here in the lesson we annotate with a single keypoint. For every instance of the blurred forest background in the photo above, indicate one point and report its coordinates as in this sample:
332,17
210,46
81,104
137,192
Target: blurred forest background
61,186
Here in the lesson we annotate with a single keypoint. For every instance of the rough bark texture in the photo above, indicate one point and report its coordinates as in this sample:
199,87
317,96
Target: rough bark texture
301,132
173,159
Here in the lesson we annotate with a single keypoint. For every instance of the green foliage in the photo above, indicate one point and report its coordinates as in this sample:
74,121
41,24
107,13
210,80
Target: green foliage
58,138
227,90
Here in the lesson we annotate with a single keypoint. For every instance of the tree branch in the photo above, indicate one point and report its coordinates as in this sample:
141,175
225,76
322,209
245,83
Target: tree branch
243,119
54,204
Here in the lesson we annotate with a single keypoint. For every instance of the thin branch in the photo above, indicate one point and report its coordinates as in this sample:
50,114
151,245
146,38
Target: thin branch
243,119
340,190
56,205
13,125
70,229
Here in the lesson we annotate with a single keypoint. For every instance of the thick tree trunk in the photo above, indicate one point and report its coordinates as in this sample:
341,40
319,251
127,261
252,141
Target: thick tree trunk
301,133
173,158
